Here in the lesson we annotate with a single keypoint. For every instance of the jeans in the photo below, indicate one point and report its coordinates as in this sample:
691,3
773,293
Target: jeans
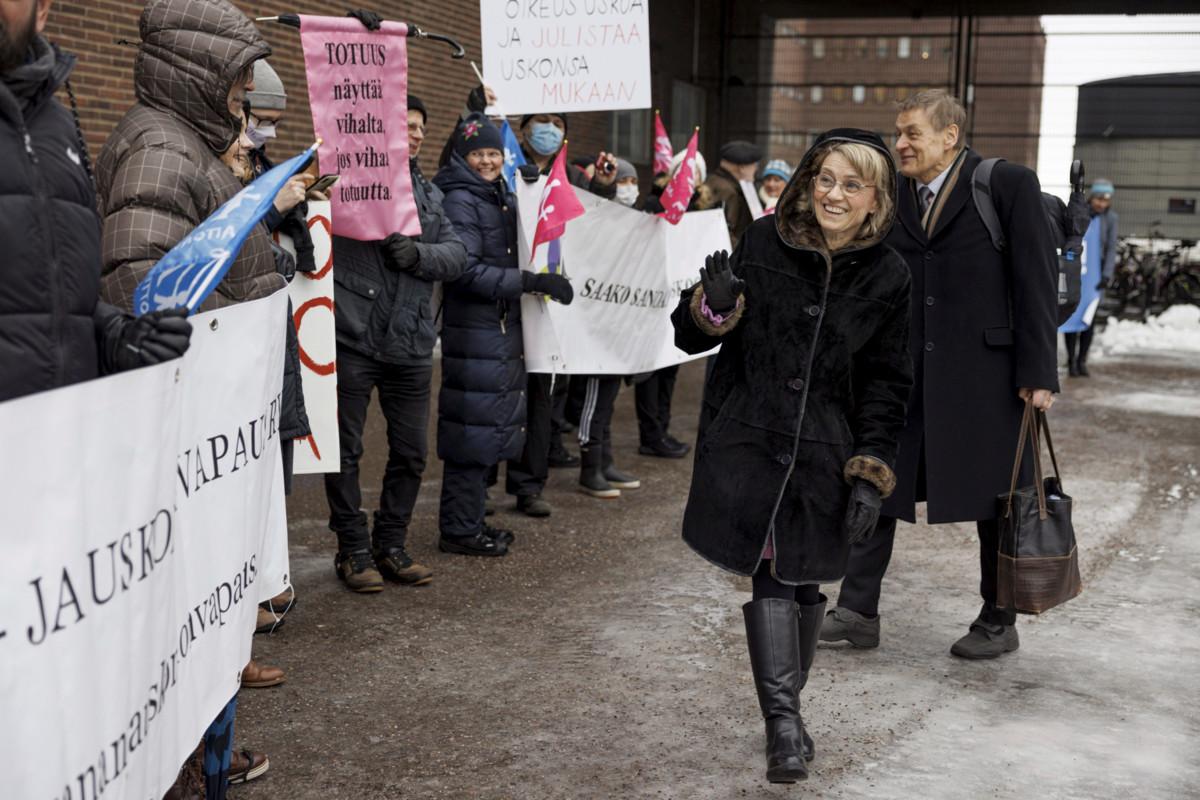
404,399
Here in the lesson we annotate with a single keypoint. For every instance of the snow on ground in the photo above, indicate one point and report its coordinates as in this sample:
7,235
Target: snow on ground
1176,330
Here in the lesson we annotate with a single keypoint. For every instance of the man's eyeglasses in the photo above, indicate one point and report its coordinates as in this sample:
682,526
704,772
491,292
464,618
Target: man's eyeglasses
825,182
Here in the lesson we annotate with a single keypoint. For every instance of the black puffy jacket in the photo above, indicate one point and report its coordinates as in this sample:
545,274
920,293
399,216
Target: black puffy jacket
51,321
481,408
387,315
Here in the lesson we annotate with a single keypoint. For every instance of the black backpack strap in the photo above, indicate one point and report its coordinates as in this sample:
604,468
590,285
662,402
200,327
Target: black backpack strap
981,193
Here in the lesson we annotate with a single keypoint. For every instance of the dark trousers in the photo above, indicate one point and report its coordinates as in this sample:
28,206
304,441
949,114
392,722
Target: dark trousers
464,487
590,405
764,585
526,477
1078,341
404,399
869,561
652,399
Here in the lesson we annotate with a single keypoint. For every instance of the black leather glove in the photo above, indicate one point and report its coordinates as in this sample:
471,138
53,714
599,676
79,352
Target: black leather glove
400,253
149,339
554,285
370,20
862,512
721,287
477,100
529,172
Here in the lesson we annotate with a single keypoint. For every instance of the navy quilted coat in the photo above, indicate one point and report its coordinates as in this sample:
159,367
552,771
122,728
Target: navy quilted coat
481,408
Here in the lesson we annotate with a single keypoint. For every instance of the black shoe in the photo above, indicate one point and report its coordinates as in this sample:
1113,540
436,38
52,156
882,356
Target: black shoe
1082,369
357,570
475,545
1072,369
663,448
986,640
773,639
676,443
533,506
501,535
561,457
620,480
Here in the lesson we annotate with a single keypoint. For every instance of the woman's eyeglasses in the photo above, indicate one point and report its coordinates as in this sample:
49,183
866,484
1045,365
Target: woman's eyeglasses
825,182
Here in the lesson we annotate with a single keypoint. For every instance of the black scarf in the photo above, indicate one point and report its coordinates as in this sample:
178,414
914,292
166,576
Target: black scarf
28,81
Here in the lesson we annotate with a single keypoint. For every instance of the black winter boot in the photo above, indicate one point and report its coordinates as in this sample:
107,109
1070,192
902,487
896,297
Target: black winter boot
810,620
618,479
773,638
591,473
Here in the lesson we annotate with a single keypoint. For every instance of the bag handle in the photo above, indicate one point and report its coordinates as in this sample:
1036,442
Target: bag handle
1029,432
1044,424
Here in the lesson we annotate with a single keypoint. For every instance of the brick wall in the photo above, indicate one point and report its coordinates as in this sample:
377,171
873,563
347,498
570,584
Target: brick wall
103,77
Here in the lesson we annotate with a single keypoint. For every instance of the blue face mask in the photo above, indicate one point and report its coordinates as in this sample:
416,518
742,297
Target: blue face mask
545,138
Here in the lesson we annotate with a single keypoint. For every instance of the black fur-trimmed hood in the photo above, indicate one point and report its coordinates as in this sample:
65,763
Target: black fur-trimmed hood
799,228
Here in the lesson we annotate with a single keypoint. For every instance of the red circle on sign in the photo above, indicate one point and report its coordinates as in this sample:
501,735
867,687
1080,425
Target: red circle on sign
324,270
305,359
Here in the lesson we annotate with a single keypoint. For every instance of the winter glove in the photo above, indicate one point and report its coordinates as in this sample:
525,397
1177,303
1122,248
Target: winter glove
862,512
721,287
370,20
149,339
554,285
477,100
400,253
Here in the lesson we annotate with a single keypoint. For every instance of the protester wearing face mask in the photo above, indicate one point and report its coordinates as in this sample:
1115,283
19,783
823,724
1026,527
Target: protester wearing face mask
627,183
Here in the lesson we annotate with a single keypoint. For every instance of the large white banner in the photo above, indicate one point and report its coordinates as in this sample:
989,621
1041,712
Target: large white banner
143,522
312,311
627,269
566,55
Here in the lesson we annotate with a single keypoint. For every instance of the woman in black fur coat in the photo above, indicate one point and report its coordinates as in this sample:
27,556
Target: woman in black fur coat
802,407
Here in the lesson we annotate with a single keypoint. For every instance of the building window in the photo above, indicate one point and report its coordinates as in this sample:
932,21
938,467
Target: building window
903,47
881,94
839,94
862,48
881,48
902,92
818,48
631,135
970,94
817,93
926,49
687,110
859,93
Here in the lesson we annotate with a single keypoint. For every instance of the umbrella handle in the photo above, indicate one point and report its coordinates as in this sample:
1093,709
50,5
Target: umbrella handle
293,21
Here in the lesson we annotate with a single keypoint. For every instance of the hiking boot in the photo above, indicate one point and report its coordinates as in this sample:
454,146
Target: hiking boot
620,480
477,544
396,565
533,506
664,448
986,640
844,625
501,535
561,457
357,570
591,475
246,765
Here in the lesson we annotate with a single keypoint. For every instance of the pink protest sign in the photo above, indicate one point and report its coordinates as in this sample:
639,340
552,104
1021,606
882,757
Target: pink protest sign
358,90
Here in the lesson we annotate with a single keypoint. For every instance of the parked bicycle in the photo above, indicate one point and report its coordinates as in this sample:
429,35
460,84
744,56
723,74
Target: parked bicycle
1148,281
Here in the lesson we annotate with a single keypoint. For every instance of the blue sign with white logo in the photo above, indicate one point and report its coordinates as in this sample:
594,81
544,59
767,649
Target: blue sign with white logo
513,157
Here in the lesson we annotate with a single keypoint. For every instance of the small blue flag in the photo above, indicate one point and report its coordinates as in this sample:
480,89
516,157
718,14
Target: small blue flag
190,271
513,157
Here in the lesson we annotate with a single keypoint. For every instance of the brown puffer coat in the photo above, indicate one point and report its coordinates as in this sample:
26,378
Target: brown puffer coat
160,173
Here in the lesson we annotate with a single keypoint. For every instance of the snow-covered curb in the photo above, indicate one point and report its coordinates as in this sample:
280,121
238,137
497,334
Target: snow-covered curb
1176,330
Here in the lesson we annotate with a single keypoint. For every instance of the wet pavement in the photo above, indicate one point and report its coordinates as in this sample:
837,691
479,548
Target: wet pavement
602,659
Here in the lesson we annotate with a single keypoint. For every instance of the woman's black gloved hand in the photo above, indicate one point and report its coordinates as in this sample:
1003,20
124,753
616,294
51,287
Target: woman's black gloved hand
370,20
400,253
477,99
151,339
721,286
862,512
554,285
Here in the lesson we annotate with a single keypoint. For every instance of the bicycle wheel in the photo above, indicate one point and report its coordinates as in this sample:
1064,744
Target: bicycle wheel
1183,288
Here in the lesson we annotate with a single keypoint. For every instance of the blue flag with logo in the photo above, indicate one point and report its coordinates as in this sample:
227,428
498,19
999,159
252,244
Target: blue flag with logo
513,157
190,271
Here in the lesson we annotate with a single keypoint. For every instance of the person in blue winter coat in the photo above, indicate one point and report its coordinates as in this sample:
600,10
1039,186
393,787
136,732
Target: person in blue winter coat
482,405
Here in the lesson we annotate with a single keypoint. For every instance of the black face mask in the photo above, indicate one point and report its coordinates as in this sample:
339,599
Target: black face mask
14,44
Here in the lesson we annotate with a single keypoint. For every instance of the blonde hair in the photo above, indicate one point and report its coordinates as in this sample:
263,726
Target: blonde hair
873,167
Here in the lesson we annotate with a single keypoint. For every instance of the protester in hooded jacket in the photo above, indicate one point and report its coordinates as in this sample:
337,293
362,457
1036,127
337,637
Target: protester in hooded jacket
54,329
802,408
482,405
775,176
160,174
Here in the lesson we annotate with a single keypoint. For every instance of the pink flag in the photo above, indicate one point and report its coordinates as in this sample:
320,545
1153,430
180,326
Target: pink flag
678,194
662,147
356,81
559,204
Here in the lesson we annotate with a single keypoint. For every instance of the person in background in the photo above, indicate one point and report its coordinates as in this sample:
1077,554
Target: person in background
775,176
1078,331
732,185
627,184
481,407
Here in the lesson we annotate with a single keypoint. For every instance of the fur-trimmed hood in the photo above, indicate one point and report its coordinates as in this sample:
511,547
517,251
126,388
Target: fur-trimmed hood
799,228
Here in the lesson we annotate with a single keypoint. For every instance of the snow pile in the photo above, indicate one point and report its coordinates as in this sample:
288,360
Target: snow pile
1176,330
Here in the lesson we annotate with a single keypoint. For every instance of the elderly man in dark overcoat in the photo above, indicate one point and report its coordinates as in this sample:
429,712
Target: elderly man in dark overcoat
983,340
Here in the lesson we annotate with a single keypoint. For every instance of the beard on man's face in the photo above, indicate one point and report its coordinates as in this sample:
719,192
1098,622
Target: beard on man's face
15,43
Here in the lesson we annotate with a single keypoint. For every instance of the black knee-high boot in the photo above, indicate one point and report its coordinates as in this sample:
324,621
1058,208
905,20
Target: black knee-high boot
773,639
1072,365
810,618
1085,343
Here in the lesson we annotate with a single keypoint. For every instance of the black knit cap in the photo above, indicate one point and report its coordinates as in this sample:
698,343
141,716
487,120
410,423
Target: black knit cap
561,115
477,133
415,104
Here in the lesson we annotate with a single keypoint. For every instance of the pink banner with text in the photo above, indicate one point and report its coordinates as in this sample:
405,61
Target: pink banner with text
358,90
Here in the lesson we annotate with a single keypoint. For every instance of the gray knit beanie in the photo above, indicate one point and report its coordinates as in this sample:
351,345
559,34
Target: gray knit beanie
268,89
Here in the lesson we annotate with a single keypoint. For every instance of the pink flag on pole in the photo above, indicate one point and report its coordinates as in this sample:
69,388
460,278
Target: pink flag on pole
678,194
357,79
559,204
662,147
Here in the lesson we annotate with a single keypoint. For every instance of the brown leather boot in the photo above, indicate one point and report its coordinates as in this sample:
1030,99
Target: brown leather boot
358,571
261,676
395,564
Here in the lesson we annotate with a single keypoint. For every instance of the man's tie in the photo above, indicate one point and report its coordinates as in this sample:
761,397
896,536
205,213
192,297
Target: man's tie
926,196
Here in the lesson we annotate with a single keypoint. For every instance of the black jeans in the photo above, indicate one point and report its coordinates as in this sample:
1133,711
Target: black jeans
526,477
404,399
764,585
590,406
652,399
869,561
464,487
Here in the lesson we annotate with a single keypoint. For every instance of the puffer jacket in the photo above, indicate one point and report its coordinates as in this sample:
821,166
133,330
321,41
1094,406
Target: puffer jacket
160,173
807,392
388,315
481,407
51,326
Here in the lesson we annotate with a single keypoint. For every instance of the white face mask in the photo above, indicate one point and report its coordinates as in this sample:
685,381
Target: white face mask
627,194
